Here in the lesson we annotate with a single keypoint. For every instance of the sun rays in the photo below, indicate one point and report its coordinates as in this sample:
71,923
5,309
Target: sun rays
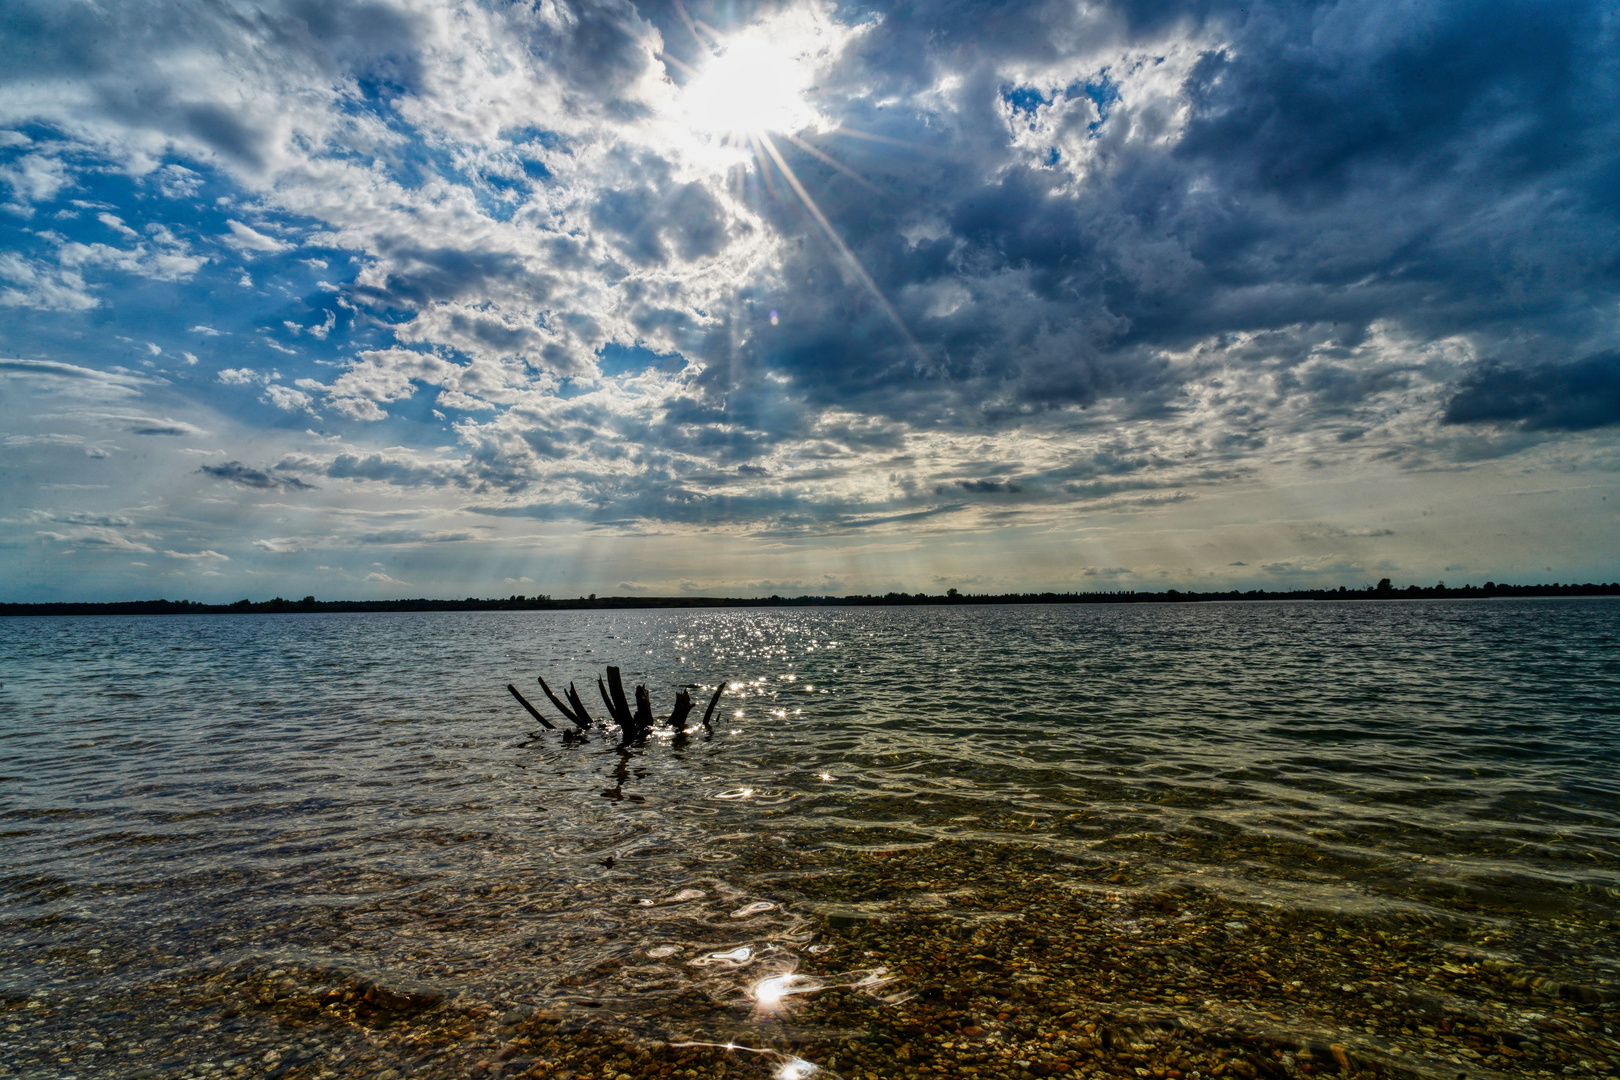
752,87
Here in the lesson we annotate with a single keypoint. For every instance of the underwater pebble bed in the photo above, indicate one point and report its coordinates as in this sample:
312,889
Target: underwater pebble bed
990,960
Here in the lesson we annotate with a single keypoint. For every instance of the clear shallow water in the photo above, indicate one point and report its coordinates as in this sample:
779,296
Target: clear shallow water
183,791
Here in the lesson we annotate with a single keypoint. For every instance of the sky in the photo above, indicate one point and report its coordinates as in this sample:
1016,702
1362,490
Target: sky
410,298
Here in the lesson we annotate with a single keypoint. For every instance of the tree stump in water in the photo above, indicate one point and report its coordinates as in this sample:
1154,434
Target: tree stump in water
632,725
621,707
683,705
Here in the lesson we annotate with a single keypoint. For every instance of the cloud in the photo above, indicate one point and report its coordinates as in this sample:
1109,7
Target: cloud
102,383
412,536
101,538
244,238
206,555
81,517
1564,397
33,178
282,397
116,223
237,473
397,470
289,400
146,425
35,285
1099,259
165,261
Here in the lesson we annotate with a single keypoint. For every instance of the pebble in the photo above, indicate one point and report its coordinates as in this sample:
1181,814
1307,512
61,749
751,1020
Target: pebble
1019,975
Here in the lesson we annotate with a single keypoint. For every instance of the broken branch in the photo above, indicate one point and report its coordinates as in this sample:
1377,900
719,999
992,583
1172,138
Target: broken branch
579,706
683,705
621,707
532,711
565,710
712,703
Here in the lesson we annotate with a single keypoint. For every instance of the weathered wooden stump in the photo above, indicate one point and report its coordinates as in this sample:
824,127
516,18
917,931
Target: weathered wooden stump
683,705
632,724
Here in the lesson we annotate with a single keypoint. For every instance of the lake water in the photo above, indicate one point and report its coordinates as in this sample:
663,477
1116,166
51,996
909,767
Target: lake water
189,796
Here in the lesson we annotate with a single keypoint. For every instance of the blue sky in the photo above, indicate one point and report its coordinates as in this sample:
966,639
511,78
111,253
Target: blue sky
446,299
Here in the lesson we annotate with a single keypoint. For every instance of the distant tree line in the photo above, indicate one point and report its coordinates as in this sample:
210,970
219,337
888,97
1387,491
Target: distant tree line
1384,590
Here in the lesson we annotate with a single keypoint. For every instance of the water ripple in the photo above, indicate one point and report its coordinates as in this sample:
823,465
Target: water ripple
362,784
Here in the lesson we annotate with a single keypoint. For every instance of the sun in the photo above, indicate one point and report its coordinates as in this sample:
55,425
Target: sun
754,85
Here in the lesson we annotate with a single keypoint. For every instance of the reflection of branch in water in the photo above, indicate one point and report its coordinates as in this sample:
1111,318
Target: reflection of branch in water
621,773
788,1067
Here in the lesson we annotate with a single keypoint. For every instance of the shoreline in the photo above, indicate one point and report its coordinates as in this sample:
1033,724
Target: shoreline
309,605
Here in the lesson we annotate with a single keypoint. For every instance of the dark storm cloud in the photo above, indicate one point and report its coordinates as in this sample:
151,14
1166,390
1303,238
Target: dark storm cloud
1316,99
1340,168
237,473
1561,397
598,50
651,224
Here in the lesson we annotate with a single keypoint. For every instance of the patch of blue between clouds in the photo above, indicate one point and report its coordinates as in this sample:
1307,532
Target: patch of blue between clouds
1103,92
208,313
615,359
414,163
1028,101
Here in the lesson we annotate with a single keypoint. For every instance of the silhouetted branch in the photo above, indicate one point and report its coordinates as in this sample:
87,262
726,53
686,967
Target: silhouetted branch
532,711
712,703
607,701
579,706
683,705
565,710
632,725
621,707
643,719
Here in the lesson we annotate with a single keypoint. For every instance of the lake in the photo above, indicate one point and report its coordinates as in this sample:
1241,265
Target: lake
1201,840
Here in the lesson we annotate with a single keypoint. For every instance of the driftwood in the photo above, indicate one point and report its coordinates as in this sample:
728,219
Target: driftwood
579,706
621,707
532,710
633,725
643,718
683,705
712,703
565,710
